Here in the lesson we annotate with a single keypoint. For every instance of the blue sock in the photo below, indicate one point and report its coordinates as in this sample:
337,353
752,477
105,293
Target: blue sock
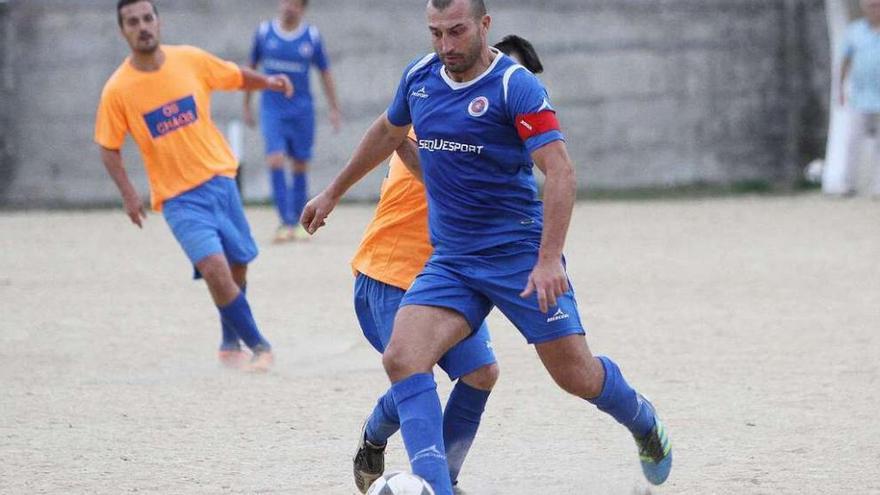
460,422
299,195
238,315
384,421
421,424
230,340
279,194
622,402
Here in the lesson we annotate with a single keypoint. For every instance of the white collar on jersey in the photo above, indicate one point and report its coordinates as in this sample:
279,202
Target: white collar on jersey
288,35
461,85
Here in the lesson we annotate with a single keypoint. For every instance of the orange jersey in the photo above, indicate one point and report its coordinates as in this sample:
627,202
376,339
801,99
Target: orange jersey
395,246
168,114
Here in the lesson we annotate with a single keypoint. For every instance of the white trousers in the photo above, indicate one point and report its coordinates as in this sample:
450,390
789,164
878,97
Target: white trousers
850,131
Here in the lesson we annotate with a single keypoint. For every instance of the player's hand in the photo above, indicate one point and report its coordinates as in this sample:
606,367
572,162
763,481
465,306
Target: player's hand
134,208
548,281
282,84
316,211
248,116
336,119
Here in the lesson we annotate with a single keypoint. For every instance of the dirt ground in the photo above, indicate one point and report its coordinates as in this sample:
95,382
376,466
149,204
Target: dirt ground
752,323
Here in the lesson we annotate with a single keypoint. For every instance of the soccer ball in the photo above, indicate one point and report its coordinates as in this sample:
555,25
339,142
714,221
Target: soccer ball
813,172
400,483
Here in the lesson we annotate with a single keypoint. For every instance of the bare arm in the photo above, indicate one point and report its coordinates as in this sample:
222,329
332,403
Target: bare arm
380,140
548,278
332,100
134,206
844,74
249,119
408,152
253,80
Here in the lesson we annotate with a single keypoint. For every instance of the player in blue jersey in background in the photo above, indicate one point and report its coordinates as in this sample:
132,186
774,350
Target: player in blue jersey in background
288,45
482,123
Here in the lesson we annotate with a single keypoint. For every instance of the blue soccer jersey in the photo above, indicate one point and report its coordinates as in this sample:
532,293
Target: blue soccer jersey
476,166
293,54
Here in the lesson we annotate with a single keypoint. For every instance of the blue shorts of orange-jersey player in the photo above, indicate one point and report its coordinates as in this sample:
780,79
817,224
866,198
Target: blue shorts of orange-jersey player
209,219
376,304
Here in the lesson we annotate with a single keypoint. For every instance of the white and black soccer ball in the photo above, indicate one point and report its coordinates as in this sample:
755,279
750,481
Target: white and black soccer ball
400,483
813,172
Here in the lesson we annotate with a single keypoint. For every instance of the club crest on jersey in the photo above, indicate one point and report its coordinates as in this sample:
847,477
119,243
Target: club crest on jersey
305,50
478,106
172,116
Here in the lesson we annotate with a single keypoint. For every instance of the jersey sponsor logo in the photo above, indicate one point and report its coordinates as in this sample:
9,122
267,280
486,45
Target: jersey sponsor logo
283,65
444,145
478,106
559,315
172,116
420,93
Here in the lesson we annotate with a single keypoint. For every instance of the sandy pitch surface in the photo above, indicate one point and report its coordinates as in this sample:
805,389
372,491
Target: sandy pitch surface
751,322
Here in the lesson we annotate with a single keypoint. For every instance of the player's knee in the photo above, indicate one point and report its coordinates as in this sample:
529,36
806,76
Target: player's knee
300,166
483,378
213,268
275,161
398,363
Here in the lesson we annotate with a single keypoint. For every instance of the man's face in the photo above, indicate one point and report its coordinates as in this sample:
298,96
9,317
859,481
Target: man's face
871,9
458,37
291,11
140,26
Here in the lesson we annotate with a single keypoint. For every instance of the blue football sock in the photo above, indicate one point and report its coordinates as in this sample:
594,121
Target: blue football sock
461,419
384,421
238,315
279,194
421,424
230,340
299,195
622,402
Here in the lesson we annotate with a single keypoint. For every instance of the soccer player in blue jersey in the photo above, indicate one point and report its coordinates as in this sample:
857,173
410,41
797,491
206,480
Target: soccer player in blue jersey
393,252
482,122
288,45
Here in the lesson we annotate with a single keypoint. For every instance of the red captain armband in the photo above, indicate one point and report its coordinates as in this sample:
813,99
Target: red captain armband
529,125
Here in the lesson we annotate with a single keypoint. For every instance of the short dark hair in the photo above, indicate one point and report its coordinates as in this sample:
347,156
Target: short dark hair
478,7
512,43
123,3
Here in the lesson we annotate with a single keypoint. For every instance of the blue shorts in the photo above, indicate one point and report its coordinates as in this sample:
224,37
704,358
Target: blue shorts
376,305
473,284
209,219
294,137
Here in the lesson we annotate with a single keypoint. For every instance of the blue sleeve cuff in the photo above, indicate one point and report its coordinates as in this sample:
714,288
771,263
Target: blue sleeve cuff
541,140
397,120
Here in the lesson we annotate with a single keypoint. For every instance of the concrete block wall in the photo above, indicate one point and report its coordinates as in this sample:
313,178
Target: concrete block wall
650,92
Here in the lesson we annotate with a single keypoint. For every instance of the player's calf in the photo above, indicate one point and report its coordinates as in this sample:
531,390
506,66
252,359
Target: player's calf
234,308
572,366
599,380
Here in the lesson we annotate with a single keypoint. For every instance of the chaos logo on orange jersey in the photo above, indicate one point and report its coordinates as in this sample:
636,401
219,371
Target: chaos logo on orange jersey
172,116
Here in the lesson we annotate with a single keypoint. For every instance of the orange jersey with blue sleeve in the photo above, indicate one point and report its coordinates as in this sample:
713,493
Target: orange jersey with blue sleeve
168,114
396,246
